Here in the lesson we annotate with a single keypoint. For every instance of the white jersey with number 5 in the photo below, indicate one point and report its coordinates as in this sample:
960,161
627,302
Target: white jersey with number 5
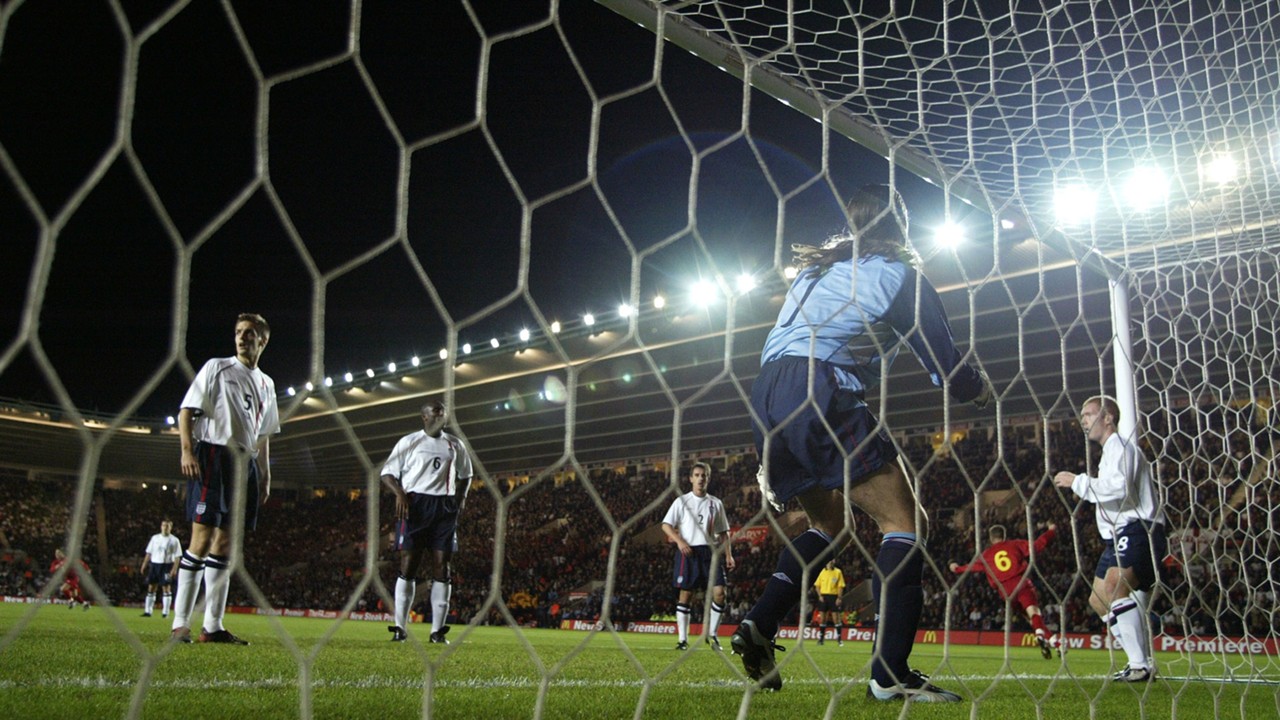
232,404
429,465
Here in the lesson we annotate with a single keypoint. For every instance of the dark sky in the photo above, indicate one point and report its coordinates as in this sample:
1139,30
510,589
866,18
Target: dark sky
314,233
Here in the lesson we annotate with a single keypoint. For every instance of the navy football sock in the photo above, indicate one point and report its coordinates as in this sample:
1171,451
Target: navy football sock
785,586
898,578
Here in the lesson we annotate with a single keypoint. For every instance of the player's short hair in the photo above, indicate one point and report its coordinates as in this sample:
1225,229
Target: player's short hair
706,469
996,533
1108,405
428,405
259,323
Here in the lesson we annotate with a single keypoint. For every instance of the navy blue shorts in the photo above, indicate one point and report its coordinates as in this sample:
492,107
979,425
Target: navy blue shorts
803,454
1140,546
209,497
828,603
692,572
158,574
432,524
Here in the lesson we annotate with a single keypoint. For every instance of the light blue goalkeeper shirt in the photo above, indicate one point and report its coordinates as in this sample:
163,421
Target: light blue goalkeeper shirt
856,316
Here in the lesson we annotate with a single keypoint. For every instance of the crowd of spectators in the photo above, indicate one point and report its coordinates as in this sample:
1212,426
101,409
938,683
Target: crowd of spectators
556,540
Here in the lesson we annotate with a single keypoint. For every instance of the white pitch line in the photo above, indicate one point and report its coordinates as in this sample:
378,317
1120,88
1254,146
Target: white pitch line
517,683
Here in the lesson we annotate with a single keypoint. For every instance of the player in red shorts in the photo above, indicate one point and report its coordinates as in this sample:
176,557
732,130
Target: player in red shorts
1005,563
70,589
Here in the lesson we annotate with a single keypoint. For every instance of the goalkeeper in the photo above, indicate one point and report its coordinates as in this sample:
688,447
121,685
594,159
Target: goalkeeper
855,300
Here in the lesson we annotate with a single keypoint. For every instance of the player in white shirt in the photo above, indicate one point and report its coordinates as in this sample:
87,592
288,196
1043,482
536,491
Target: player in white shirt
160,566
695,522
228,416
1133,530
429,471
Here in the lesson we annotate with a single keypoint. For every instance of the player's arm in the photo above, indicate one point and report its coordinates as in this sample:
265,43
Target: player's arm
957,568
146,562
1045,537
190,466
402,499
723,539
264,471
670,531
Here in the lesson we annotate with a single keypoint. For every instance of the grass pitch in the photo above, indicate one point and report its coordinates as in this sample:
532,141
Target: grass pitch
58,663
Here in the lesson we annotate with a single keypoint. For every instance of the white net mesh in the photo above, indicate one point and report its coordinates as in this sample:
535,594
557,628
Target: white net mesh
405,180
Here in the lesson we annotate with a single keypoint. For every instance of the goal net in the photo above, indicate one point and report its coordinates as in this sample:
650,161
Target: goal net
576,218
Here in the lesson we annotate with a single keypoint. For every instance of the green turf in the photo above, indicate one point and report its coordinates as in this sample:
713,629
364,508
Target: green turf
59,663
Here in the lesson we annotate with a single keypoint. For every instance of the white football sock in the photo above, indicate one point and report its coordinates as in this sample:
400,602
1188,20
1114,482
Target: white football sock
404,598
440,592
190,570
217,584
1126,625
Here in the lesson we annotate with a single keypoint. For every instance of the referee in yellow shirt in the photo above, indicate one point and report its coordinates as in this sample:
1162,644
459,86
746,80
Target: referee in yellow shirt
830,586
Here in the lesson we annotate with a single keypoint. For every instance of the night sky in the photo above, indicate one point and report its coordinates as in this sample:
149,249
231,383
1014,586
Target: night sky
314,241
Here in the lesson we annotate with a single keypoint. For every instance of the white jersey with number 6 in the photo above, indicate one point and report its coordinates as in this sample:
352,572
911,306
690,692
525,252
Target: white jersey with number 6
429,465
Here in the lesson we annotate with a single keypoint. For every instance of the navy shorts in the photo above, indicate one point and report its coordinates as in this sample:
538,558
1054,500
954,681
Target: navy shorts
432,524
692,572
209,497
803,454
827,603
1140,546
158,574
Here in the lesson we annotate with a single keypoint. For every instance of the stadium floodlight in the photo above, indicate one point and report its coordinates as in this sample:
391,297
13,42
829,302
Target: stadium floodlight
444,353
588,319
416,361
555,327
391,367
309,386
1007,224
1145,187
291,392
348,377
466,348
493,343
746,283
789,272
625,310
659,302
524,335
328,381
949,235
368,372
1074,204
1220,168
169,419
703,293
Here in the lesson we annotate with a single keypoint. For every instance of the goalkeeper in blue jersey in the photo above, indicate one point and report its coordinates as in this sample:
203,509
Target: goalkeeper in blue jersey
855,301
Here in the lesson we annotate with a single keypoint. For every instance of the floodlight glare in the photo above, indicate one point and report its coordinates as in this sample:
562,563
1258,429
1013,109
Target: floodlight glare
789,272
746,284
328,382
466,348
1074,204
625,310
555,327
493,343
1145,188
524,334
309,386
348,377
703,293
588,319
659,302
368,372
415,361
391,367
291,392
1007,224
1221,169
444,353
949,235
169,419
